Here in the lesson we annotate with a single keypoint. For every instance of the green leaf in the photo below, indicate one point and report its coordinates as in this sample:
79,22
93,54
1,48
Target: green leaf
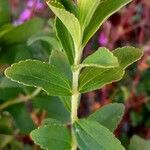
109,115
69,5
21,33
51,40
6,125
9,93
59,60
72,24
86,9
4,140
62,32
91,135
53,137
66,100
9,90
93,78
39,74
4,12
6,28
7,83
50,105
14,53
66,40
22,117
105,9
50,121
102,58
138,143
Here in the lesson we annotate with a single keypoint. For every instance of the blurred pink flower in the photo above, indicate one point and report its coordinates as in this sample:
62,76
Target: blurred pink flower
25,15
39,5
102,40
28,11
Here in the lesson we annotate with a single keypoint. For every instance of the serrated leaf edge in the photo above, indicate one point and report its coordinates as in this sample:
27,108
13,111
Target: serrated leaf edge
31,85
90,35
71,14
40,128
103,127
80,89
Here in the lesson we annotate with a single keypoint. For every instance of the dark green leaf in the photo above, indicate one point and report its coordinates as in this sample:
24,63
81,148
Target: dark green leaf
59,60
91,135
22,32
66,40
69,5
9,93
109,115
53,106
66,100
22,118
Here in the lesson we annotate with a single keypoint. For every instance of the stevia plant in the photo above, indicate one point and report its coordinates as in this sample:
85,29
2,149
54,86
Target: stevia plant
67,76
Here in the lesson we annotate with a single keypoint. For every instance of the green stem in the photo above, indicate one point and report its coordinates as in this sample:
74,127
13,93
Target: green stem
75,97
20,99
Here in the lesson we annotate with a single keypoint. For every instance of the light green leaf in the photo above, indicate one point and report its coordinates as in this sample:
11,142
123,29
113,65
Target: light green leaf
86,9
91,135
52,137
69,20
62,32
93,78
39,74
102,58
105,9
21,33
137,143
66,40
109,115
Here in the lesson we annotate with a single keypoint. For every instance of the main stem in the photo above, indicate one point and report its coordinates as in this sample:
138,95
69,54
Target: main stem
75,97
